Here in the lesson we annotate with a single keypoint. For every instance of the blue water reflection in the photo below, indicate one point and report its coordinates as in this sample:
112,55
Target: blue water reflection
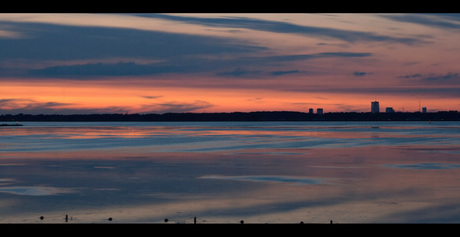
203,137
227,171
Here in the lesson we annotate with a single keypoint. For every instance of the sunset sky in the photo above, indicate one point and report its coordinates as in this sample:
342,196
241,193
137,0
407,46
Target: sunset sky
156,63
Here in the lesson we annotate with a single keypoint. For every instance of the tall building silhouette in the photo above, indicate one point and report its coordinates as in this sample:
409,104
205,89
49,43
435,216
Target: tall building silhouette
389,110
375,107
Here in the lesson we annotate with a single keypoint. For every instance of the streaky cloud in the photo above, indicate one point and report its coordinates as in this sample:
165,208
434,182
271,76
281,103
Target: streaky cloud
152,97
31,106
280,73
285,27
298,57
435,77
361,74
58,42
440,90
417,75
26,103
175,107
277,59
105,69
238,72
442,21
192,65
443,77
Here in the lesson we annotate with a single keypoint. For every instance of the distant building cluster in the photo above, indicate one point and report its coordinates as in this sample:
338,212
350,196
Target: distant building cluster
318,111
375,108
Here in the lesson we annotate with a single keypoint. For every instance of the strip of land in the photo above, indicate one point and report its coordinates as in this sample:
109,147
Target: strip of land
242,116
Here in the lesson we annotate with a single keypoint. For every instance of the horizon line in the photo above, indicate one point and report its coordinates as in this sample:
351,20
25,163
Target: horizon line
262,111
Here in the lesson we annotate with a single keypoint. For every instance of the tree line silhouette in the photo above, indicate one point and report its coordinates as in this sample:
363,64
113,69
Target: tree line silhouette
242,116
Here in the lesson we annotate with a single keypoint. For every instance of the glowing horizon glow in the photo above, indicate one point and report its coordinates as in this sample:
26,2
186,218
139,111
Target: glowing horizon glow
157,63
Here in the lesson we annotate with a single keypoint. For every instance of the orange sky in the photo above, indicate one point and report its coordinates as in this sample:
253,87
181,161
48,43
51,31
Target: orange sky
156,63
141,99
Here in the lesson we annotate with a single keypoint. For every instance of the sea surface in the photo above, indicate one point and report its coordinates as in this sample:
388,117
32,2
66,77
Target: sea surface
228,172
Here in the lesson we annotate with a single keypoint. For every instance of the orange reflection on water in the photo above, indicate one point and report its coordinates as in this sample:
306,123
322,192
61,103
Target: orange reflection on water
82,132
373,183
354,185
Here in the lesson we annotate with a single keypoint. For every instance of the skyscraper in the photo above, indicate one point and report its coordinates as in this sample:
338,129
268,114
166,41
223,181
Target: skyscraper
375,107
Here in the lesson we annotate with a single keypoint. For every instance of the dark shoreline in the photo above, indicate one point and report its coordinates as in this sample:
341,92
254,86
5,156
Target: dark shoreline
241,116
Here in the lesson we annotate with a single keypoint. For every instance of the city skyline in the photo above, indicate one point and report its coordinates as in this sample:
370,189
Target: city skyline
160,63
374,108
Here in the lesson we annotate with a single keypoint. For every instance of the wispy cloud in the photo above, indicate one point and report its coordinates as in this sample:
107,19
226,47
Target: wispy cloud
54,43
280,73
175,107
25,103
286,27
443,78
32,106
186,66
301,57
267,61
440,21
361,74
238,72
152,56
152,97
57,47
417,75
83,71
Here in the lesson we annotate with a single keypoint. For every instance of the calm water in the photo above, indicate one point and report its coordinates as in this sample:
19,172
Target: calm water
224,172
